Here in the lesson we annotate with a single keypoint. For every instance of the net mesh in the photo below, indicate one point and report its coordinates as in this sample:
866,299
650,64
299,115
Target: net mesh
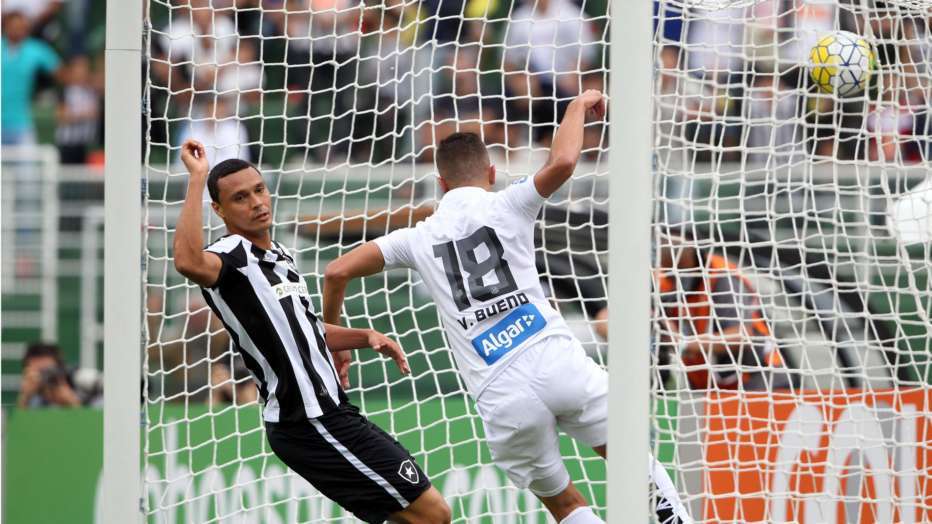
791,254
341,103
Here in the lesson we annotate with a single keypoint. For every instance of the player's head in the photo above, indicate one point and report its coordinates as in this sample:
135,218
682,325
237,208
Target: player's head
463,160
240,196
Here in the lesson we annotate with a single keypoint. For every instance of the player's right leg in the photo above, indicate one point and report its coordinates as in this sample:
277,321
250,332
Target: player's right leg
360,467
430,507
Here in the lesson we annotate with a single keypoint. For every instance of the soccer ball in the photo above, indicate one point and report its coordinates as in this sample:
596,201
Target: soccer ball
841,63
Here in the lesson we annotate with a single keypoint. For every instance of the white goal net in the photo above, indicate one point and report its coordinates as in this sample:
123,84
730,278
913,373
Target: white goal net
791,237
340,103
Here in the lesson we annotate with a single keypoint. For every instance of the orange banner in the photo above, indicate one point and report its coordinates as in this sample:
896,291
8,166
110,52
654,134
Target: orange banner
819,457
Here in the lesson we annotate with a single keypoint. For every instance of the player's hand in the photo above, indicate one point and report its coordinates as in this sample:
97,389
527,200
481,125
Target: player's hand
389,348
342,361
194,157
593,102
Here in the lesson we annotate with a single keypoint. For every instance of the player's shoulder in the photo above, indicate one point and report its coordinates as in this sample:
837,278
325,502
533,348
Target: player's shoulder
226,244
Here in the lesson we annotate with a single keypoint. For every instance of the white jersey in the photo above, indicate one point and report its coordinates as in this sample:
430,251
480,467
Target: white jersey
476,257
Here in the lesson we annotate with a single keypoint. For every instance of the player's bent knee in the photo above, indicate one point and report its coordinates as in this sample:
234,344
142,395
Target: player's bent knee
428,508
551,485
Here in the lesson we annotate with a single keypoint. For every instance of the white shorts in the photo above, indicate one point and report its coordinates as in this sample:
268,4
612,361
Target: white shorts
550,385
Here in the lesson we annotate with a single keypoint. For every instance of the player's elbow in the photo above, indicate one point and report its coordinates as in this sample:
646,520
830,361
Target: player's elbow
337,272
185,263
183,266
563,164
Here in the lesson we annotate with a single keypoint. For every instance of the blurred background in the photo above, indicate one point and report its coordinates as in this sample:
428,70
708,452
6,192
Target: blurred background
341,102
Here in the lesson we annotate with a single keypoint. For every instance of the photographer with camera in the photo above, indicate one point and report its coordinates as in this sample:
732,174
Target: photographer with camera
45,382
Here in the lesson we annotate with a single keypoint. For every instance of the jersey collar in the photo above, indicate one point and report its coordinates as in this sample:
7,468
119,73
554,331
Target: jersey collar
460,193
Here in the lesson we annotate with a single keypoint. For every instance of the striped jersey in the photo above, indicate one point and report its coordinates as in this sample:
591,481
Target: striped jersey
263,302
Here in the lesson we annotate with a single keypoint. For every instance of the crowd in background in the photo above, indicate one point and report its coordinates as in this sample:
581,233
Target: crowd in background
743,87
344,80
333,81
48,50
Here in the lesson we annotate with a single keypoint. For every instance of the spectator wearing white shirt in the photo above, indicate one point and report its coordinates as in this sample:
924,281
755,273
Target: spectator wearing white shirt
774,136
548,44
215,124
197,41
243,78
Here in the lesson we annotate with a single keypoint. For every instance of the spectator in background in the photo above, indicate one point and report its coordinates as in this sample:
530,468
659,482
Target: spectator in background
197,41
214,121
40,15
547,47
387,63
710,313
242,79
182,351
46,382
78,112
716,39
323,46
774,137
236,387
22,59
895,125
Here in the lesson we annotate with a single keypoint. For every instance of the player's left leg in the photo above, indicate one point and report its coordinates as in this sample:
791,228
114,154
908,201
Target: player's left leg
570,507
576,389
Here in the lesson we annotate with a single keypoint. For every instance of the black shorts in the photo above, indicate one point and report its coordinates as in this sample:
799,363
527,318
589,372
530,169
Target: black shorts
351,461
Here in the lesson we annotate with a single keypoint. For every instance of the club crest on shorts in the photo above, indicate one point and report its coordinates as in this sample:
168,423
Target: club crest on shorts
408,471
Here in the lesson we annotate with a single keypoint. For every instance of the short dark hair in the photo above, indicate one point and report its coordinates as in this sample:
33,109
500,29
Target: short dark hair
41,349
461,157
227,167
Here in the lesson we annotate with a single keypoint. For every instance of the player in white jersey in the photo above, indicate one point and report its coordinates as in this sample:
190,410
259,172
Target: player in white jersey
527,373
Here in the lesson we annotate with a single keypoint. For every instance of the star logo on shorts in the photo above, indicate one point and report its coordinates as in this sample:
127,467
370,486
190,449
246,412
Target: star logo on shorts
409,472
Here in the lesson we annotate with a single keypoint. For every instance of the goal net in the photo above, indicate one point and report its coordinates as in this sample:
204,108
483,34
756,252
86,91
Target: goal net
340,103
790,298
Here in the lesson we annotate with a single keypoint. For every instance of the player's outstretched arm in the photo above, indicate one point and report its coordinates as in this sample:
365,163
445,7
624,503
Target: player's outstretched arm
568,142
201,267
365,260
341,339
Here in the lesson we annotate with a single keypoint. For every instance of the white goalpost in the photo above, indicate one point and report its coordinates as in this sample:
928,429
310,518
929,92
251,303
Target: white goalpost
121,482
767,240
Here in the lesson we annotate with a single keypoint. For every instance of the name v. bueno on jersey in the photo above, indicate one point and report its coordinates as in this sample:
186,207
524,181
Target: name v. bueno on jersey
494,309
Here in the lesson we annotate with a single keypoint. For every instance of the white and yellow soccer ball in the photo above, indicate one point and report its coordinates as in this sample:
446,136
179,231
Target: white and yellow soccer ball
841,63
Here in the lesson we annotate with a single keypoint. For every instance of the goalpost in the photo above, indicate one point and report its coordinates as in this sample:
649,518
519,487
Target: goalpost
809,211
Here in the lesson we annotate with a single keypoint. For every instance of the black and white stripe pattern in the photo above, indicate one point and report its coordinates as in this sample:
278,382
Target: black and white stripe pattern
263,302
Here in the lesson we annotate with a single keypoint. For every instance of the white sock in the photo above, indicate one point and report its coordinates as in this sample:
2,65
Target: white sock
667,490
582,515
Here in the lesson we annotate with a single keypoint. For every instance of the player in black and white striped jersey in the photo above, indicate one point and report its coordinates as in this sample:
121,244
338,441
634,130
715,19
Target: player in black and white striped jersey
252,284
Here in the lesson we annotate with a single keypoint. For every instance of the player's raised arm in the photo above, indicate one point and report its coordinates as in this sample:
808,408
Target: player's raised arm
568,142
191,260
